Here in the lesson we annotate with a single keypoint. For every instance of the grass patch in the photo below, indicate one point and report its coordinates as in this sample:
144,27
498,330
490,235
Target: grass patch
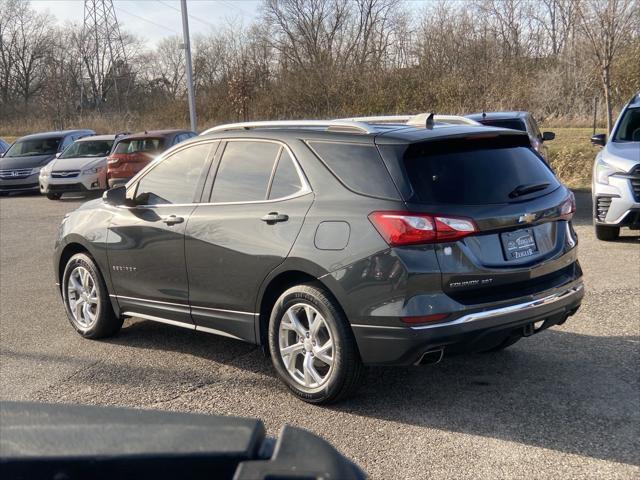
571,156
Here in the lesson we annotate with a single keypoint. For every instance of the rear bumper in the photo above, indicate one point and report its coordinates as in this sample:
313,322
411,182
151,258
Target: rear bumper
473,331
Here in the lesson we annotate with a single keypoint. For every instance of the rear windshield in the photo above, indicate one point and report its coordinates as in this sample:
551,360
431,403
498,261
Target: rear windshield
513,124
33,147
140,145
467,175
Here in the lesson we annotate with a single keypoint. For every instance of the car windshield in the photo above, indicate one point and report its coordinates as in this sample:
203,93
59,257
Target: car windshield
629,127
513,124
88,148
139,145
32,147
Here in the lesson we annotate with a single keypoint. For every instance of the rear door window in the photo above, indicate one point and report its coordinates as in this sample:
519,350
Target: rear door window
244,172
359,167
465,175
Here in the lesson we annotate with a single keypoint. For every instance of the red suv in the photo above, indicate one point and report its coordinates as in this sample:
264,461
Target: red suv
133,152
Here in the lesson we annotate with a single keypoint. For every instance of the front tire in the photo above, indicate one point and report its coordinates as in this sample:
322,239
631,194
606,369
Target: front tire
312,346
86,299
607,234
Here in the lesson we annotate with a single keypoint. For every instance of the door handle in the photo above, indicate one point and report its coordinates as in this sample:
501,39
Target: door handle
274,217
172,220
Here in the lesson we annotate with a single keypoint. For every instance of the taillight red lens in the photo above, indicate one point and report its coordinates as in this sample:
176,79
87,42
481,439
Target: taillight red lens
405,228
568,207
436,317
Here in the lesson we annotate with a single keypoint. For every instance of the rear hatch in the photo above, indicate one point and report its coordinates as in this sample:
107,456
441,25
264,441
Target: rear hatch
135,150
523,241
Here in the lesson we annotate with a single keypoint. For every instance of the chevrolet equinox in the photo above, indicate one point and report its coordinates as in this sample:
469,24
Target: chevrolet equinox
332,244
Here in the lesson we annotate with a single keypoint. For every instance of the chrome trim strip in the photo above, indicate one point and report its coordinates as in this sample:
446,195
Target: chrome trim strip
144,316
215,332
483,315
378,326
179,304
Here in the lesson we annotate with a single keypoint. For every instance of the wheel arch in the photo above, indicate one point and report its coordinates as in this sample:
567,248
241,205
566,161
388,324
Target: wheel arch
280,280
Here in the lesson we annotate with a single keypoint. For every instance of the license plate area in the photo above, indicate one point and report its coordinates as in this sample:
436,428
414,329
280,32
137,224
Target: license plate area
519,244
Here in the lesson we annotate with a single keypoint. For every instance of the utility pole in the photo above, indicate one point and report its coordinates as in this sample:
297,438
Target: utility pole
187,51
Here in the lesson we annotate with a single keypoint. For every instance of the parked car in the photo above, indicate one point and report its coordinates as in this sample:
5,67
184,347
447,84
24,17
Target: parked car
20,165
4,146
616,175
81,168
133,152
522,121
333,244
419,119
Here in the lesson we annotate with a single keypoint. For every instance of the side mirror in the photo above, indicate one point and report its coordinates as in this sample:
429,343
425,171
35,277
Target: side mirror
599,139
548,136
115,196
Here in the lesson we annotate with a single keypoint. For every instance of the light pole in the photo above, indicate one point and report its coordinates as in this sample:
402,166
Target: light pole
187,49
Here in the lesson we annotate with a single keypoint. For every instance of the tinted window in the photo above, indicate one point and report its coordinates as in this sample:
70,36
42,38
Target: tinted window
140,145
629,129
449,174
286,180
244,172
513,124
41,146
175,179
359,167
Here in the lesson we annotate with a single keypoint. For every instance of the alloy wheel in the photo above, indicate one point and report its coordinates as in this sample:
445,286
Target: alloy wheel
82,297
306,345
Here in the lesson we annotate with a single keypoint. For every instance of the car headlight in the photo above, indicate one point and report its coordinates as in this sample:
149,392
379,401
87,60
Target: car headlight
603,171
90,171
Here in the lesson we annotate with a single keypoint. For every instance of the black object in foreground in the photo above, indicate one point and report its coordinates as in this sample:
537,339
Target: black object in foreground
77,442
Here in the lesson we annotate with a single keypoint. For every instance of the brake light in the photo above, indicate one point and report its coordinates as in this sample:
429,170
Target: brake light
568,207
405,228
436,317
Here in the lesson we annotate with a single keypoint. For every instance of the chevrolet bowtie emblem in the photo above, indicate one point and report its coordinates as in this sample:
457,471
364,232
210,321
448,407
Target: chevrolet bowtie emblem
527,217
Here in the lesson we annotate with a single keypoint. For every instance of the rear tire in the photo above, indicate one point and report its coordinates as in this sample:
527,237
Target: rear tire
323,363
54,196
86,299
607,233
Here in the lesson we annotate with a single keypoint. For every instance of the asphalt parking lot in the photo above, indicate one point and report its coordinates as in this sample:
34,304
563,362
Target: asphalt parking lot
562,404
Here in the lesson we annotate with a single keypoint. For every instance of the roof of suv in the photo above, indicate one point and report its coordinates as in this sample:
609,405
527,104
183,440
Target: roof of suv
154,134
96,138
55,134
380,133
497,115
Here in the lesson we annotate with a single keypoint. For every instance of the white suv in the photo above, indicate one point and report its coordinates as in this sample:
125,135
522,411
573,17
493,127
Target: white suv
616,175
81,168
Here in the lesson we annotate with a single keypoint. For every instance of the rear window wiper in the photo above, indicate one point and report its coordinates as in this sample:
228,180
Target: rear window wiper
530,188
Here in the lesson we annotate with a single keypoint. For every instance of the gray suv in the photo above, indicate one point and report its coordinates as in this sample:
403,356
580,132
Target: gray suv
616,175
20,165
332,244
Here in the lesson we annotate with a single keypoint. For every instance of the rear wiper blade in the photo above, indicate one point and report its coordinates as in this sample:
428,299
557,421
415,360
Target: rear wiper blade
530,188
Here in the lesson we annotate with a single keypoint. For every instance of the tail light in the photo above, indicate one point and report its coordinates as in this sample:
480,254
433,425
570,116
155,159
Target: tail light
568,207
405,228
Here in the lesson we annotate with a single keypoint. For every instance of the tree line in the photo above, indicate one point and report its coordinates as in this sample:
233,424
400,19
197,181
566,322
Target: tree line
560,59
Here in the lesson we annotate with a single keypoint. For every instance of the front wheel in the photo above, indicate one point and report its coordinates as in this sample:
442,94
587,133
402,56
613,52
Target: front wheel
312,346
86,299
607,233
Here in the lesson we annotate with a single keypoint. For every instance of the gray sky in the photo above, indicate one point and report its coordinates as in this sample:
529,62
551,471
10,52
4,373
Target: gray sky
155,19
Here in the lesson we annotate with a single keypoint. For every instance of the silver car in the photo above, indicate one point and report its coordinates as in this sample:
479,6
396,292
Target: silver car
616,175
81,168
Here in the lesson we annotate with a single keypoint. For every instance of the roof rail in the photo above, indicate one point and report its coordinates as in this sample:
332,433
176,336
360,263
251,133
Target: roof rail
333,125
418,120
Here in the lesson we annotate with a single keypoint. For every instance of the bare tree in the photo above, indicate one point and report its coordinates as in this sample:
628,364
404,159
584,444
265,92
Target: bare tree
607,24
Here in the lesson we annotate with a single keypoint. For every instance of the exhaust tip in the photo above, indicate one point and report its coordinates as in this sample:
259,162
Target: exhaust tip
431,357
